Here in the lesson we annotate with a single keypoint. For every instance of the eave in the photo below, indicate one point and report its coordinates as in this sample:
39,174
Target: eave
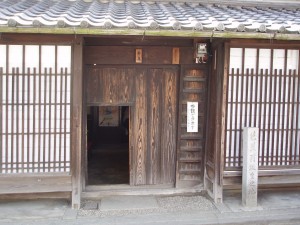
159,32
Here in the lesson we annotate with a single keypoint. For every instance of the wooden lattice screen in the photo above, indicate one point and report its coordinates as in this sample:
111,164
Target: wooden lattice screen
264,92
35,106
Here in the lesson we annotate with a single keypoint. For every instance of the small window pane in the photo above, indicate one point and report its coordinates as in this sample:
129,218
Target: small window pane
32,57
264,59
48,58
3,57
293,60
15,57
250,59
63,58
236,58
278,59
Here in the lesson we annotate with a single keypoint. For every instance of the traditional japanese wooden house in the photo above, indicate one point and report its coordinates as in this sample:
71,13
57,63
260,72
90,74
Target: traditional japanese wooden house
78,75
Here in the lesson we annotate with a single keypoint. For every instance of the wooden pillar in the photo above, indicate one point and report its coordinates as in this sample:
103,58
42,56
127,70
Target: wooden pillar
76,123
216,129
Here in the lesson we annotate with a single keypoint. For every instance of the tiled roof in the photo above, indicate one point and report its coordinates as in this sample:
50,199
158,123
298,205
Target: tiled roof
148,15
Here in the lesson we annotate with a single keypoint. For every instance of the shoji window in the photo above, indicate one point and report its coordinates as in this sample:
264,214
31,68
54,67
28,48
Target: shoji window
35,83
264,92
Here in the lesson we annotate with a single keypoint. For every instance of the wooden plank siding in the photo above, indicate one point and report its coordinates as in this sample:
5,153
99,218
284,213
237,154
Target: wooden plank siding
151,94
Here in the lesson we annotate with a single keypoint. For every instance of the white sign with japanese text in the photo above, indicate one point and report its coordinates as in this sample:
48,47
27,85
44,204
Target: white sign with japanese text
192,117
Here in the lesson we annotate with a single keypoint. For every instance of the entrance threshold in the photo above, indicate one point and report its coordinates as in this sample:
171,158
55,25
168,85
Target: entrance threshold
95,191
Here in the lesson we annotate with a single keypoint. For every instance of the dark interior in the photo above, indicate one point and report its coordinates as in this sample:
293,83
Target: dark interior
108,140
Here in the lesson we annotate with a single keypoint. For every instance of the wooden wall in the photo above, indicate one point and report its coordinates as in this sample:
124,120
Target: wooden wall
124,55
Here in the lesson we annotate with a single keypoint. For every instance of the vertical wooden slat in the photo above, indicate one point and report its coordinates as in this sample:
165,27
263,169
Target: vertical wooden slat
6,122
246,103
269,132
22,105
61,75
39,110
275,93
289,117
28,120
49,122
23,123
39,92
154,168
282,160
65,118
260,103
257,90
17,122
292,105
279,133
12,132
266,76
242,75
34,163
168,131
231,155
288,127
55,149
44,122
140,126
251,92
6,107
54,134
237,128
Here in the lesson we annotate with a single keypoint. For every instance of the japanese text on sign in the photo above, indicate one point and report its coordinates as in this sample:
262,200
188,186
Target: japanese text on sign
192,116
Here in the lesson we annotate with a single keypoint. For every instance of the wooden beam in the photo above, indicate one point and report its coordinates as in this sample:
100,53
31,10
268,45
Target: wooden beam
9,38
76,123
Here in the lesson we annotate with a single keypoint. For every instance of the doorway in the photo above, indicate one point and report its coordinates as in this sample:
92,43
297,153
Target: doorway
108,145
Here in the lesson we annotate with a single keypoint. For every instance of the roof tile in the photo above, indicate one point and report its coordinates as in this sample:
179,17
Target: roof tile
146,15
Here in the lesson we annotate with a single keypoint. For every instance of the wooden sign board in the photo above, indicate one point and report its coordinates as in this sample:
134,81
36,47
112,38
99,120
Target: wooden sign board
138,55
175,56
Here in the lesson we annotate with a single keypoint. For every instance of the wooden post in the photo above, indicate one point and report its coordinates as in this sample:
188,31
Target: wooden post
76,124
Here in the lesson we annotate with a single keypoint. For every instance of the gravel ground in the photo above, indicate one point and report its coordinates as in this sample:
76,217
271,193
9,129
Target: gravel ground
166,204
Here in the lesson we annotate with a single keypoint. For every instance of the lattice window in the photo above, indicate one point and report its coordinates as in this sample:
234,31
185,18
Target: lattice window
35,83
264,92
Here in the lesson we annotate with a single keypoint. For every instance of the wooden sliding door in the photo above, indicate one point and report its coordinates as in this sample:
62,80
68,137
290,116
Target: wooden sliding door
152,94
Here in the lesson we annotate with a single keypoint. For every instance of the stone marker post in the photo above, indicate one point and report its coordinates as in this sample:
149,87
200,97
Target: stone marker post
250,166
